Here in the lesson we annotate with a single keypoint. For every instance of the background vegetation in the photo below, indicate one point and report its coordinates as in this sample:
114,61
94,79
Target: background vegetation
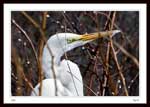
109,67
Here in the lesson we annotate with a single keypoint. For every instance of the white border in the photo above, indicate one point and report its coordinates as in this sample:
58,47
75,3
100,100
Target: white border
74,7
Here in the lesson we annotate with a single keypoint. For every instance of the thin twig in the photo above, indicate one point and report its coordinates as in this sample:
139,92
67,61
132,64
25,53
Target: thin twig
28,38
107,79
132,81
86,86
41,46
134,59
116,59
44,39
107,67
17,63
67,58
107,27
90,85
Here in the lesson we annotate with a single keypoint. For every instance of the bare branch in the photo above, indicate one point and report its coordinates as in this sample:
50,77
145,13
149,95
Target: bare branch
20,72
28,38
44,39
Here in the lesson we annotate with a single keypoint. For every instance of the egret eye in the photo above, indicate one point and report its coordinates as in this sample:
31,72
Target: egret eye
71,40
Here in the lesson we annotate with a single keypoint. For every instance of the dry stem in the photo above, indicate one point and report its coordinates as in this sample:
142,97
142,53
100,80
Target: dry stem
44,39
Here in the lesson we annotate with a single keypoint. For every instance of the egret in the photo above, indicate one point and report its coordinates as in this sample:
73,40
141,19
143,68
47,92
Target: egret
68,76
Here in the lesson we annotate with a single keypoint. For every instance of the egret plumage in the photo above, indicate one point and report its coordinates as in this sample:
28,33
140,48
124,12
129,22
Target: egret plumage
49,89
68,76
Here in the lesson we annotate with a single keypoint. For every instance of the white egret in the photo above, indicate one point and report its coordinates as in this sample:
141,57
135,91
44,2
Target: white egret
68,76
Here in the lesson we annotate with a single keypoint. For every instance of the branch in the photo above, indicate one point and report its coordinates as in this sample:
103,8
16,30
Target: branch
20,72
26,35
44,39
41,46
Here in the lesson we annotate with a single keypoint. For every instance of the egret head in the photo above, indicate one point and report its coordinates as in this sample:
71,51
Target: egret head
69,41
63,42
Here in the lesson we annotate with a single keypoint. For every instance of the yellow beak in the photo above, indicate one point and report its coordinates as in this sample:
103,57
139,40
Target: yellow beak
93,36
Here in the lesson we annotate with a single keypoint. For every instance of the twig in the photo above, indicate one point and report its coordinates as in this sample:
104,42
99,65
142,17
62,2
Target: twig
41,46
107,79
86,86
133,80
30,41
134,59
17,63
107,26
116,88
106,75
44,39
44,21
115,25
26,35
90,85
116,59
67,62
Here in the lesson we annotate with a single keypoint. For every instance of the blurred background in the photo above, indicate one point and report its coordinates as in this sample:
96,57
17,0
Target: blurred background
96,60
